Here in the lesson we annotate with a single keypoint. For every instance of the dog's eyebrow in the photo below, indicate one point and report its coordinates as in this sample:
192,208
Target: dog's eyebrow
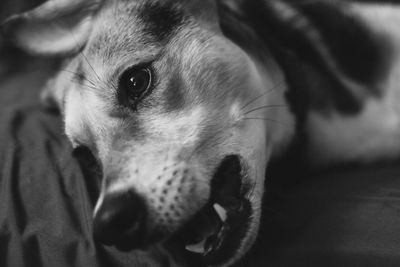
160,19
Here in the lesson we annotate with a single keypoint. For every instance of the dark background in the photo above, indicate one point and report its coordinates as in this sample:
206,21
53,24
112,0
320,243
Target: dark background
340,217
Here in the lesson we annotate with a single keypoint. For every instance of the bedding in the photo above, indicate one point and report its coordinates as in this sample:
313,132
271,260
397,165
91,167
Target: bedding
344,217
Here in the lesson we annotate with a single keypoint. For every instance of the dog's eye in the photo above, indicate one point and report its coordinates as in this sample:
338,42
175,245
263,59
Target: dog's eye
134,84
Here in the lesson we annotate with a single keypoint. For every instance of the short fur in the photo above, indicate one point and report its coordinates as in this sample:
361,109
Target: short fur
247,78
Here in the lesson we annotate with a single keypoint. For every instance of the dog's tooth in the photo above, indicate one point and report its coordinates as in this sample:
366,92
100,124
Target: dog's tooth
221,211
197,248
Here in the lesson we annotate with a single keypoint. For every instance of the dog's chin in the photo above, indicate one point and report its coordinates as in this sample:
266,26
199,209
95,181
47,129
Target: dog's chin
217,233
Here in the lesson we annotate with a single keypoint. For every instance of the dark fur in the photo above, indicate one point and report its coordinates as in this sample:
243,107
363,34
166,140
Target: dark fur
160,20
359,54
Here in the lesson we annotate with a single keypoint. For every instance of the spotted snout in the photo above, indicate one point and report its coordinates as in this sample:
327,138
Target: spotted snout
148,205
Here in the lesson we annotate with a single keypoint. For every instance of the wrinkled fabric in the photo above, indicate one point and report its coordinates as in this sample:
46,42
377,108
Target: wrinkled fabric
343,218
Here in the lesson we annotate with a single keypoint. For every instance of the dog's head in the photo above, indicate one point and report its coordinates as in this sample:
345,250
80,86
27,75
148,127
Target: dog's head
167,105
181,118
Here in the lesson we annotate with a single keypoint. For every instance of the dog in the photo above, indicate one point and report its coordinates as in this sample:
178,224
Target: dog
185,103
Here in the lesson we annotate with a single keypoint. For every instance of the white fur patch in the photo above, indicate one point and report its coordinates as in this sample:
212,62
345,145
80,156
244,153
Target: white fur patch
375,132
371,135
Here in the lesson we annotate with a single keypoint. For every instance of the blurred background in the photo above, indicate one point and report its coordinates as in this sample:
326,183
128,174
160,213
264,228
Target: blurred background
10,57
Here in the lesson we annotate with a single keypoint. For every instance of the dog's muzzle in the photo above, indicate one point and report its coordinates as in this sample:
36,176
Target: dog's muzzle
213,235
216,233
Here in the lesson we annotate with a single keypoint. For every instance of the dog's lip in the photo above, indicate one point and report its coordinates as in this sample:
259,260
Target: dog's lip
223,245
215,234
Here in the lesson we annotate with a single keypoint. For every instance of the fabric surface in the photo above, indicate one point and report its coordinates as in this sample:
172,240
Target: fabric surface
341,218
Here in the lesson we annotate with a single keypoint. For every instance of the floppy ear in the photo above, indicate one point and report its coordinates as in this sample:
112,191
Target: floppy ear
324,44
55,27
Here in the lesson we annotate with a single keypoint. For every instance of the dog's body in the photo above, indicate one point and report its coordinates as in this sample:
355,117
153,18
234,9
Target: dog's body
184,102
372,133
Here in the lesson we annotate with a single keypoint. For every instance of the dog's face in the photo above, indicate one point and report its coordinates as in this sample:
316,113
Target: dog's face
173,111
166,117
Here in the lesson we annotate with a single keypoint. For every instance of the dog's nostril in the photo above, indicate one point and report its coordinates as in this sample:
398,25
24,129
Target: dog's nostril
120,220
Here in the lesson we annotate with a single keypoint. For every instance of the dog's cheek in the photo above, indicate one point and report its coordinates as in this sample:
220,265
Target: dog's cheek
252,139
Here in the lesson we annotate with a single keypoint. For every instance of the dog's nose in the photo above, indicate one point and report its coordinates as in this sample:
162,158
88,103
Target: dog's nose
120,221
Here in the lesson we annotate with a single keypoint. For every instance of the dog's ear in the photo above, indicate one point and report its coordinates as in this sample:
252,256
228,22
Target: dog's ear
331,41
55,27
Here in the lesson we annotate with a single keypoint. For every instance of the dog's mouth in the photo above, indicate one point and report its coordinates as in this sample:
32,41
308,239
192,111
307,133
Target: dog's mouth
215,234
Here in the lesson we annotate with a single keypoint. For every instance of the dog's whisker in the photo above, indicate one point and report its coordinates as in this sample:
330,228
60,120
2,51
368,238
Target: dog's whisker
84,85
83,55
95,73
75,73
203,144
92,85
91,67
206,141
275,87
270,120
93,88
265,107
